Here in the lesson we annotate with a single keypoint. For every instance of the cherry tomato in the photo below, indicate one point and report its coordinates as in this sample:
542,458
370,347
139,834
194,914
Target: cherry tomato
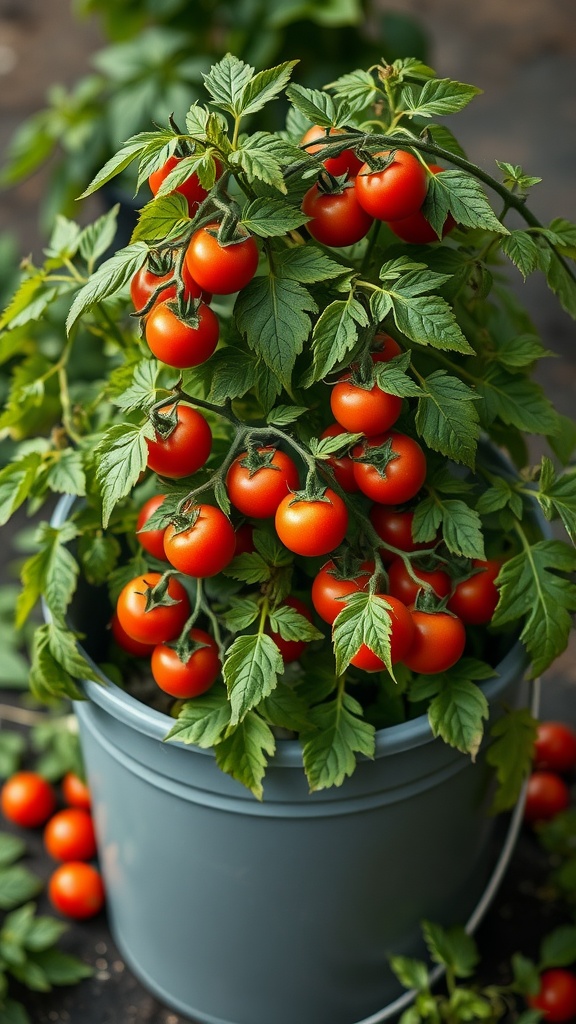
385,348
474,600
345,163
546,795
220,269
206,547
27,799
312,527
180,344
190,188
342,465
416,229
328,590
401,638
555,747
127,643
185,450
361,410
258,493
69,835
403,476
401,584
338,218
557,996
396,192
151,540
165,622
76,890
144,284
291,650
394,526
191,678
76,792
439,641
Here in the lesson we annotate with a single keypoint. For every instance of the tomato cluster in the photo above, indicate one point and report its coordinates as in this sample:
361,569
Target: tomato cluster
547,792
75,887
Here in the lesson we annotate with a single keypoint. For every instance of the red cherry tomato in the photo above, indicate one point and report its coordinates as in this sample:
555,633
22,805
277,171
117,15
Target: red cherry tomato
127,643
151,540
312,527
401,638
27,799
546,795
385,348
403,476
291,650
191,678
337,217
69,835
328,590
396,192
220,269
401,584
180,344
439,641
191,188
76,890
394,526
159,624
555,747
475,599
258,494
415,229
185,450
144,284
345,163
206,547
557,996
361,410
76,792
342,465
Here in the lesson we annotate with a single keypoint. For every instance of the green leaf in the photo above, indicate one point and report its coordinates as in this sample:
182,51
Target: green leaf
410,973
16,480
64,647
122,456
251,671
273,314
50,573
319,107
291,625
226,82
96,238
307,264
458,193
285,708
458,711
248,568
12,747
256,156
452,947
110,277
62,968
561,282
446,418
283,415
241,613
265,86
164,217
267,217
526,976
522,249
558,495
520,351
364,619
339,734
43,932
47,677
357,87
202,721
427,320
439,96
14,1013
335,333
511,754
516,401
66,472
138,145
98,555
558,949
461,527
136,389
531,589
11,849
244,753
17,885
29,301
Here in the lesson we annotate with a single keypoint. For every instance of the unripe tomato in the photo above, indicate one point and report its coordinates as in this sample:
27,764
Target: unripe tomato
76,890
185,450
395,192
191,678
555,747
69,835
27,799
151,540
221,269
345,163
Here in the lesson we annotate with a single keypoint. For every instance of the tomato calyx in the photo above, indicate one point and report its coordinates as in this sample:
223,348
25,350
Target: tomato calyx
164,423
378,161
187,310
378,455
256,459
333,184
187,644
158,596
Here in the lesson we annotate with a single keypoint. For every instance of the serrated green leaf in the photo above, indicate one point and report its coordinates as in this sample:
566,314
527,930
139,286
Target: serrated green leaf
285,709
257,160
16,480
110,277
203,720
428,320
122,455
410,973
163,218
66,472
522,249
561,282
340,733
452,947
12,848
457,714
558,948
364,619
240,613
357,87
249,567
51,573
99,555
268,217
274,315
511,754
319,107
335,333
517,401
244,753
32,297
307,264
458,193
439,96
446,417
265,86
96,238
47,676
251,671
521,351
227,80
137,146
137,390
17,885
291,625
560,493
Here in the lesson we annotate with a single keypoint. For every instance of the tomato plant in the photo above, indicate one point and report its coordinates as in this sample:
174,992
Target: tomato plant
556,998
69,835
337,217
221,269
439,641
474,600
203,548
182,343
185,449
142,614
396,191
258,481
192,674
311,526
555,747
363,410
76,890
27,799
395,472
546,795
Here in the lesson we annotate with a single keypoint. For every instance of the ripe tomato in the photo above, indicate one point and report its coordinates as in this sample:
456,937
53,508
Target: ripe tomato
328,590
361,410
342,465
76,890
403,476
555,747
401,584
397,191
76,792
401,638
385,348
127,643
221,269
185,450
151,540
165,622
394,526
474,600
206,547
191,188
345,163
258,493
191,678
144,284
338,218
291,650
177,343
439,641
416,229
27,799
557,996
546,795
312,527
69,835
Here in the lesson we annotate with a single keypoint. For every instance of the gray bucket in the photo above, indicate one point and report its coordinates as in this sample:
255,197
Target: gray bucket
239,912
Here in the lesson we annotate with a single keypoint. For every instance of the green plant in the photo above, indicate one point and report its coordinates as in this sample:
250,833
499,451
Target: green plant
435,326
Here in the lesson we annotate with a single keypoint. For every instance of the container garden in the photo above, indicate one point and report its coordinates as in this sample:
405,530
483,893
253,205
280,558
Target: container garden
305,583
